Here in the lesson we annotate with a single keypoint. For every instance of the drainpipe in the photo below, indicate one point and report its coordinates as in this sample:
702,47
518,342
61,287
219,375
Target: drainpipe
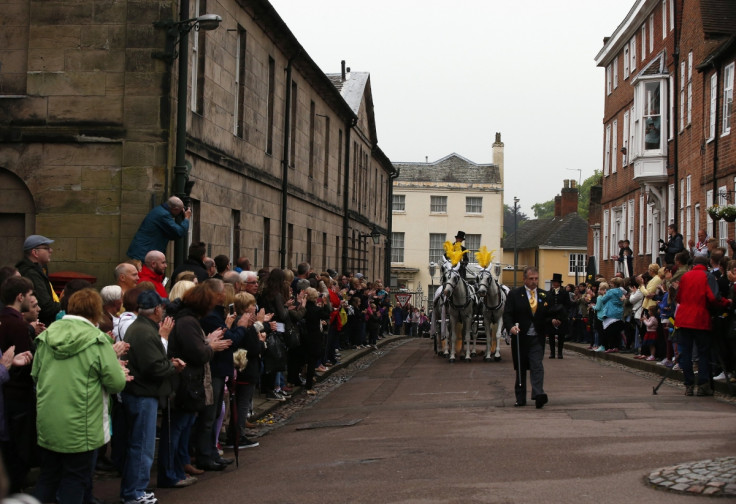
180,163
345,195
675,155
285,165
387,266
716,198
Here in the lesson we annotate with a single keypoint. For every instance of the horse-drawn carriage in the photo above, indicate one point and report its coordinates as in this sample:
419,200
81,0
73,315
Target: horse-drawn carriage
460,307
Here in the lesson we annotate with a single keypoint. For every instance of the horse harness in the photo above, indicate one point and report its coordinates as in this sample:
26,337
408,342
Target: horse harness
470,294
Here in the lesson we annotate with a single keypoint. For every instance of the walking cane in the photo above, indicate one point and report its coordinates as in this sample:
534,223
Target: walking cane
518,353
666,375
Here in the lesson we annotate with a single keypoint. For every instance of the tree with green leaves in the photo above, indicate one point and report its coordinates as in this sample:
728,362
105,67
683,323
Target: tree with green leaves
508,219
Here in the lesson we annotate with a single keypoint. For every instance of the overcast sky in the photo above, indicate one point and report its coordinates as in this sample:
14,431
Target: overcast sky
446,76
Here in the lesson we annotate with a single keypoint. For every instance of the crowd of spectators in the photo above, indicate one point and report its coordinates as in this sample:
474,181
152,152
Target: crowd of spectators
672,314
92,378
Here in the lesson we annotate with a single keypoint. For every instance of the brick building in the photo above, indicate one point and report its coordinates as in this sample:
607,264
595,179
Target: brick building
668,150
283,161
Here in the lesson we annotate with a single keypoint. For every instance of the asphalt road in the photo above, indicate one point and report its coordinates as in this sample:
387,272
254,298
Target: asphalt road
411,428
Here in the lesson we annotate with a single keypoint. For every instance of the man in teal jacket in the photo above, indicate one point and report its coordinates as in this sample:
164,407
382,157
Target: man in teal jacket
158,227
75,369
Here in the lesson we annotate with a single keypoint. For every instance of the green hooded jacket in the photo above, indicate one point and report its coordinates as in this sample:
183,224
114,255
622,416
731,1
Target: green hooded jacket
75,368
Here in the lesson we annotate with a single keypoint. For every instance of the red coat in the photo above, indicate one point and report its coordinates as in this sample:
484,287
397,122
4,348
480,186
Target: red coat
148,275
694,298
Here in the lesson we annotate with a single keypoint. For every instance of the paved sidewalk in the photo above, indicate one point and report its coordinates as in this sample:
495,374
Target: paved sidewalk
627,359
262,406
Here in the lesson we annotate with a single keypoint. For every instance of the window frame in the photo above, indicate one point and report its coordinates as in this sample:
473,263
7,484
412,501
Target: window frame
689,88
398,239
646,110
436,252
615,72
728,79
470,241
614,145
398,200
469,205
632,53
576,263
625,139
607,152
713,106
436,204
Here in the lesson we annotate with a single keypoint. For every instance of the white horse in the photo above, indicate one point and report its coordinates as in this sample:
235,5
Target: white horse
458,296
437,321
492,298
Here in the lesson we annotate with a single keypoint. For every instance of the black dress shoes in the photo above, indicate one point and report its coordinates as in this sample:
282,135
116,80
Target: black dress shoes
211,466
224,461
552,356
519,404
541,400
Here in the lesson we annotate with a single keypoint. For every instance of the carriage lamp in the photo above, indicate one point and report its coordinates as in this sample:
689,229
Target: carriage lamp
497,270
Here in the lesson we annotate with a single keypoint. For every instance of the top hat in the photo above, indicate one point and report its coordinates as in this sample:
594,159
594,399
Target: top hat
460,235
556,277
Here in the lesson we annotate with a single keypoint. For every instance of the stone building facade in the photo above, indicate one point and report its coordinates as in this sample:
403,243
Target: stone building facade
669,153
283,166
432,201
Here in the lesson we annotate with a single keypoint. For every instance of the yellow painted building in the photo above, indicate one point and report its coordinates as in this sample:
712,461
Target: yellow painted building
553,245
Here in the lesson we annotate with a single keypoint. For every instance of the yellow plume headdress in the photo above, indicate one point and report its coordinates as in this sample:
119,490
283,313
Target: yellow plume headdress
454,252
484,257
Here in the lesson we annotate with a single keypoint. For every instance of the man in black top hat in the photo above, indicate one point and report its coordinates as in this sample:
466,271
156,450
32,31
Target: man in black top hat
559,307
460,238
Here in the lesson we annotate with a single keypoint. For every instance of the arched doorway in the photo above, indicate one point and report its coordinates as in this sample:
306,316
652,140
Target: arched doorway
17,217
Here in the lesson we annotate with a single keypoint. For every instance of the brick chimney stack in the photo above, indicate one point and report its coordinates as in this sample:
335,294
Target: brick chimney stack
568,198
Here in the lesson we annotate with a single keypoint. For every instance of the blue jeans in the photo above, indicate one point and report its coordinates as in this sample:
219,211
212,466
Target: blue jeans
701,339
173,446
140,413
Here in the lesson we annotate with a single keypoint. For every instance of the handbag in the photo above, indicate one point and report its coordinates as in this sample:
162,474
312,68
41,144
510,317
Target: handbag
275,357
292,337
190,395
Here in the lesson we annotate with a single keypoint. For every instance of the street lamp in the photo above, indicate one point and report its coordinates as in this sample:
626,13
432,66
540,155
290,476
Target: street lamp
375,235
516,252
178,31
432,271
